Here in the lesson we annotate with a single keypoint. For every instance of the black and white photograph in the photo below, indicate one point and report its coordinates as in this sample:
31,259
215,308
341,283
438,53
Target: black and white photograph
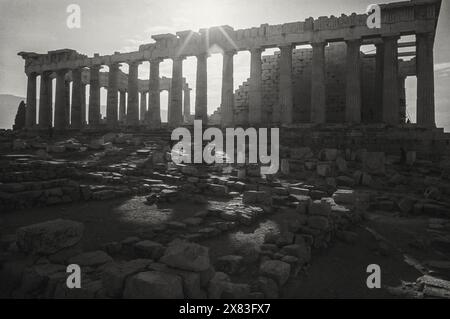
225,154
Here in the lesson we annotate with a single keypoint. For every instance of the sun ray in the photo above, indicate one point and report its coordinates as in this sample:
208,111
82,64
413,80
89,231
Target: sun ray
227,36
185,43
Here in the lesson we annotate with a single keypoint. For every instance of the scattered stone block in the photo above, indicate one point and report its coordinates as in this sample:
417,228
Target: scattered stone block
324,169
344,197
298,191
91,259
115,275
320,207
277,270
154,285
186,256
149,249
268,287
229,264
319,222
49,237
374,162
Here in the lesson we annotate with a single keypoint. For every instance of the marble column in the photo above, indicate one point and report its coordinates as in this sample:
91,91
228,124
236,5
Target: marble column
379,69
60,100
67,92
353,83
77,97
318,85
255,111
176,105
154,99
390,82
201,99
187,103
227,105
133,94
94,95
425,80
30,115
83,105
123,106
402,96
45,101
283,111
143,107
112,95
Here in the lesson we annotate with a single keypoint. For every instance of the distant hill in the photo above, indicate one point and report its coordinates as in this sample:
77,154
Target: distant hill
8,109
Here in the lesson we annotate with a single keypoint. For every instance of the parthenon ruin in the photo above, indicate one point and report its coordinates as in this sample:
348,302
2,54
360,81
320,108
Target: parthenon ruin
289,99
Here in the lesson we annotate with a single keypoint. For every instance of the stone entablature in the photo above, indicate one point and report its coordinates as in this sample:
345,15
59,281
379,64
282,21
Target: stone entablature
402,18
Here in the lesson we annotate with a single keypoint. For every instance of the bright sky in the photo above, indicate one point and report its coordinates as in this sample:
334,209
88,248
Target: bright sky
122,25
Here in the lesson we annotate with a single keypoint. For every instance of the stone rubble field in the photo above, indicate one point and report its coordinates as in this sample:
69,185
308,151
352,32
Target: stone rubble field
320,198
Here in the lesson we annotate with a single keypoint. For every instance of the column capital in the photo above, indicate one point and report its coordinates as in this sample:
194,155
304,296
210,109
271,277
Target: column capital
32,74
203,55
287,46
156,60
390,37
114,66
96,67
230,52
61,71
256,50
318,44
134,63
425,35
179,58
353,41
46,73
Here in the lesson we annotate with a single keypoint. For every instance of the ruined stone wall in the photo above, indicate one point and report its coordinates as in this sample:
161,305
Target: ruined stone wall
301,62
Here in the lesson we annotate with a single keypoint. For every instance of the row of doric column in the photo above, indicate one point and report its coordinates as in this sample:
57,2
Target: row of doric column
387,89
122,105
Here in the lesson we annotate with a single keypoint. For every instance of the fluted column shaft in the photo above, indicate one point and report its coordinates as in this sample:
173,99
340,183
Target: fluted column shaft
227,106
402,97
143,107
425,80
77,91
391,100
201,99
318,86
94,95
353,83
255,112
133,94
60,100
176,105
283,112
45,101
83,104
112,99
379,70
67,92
30,115
123,107
154,99
187,104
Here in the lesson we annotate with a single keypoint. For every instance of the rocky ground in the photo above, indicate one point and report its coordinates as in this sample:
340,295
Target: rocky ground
142,228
